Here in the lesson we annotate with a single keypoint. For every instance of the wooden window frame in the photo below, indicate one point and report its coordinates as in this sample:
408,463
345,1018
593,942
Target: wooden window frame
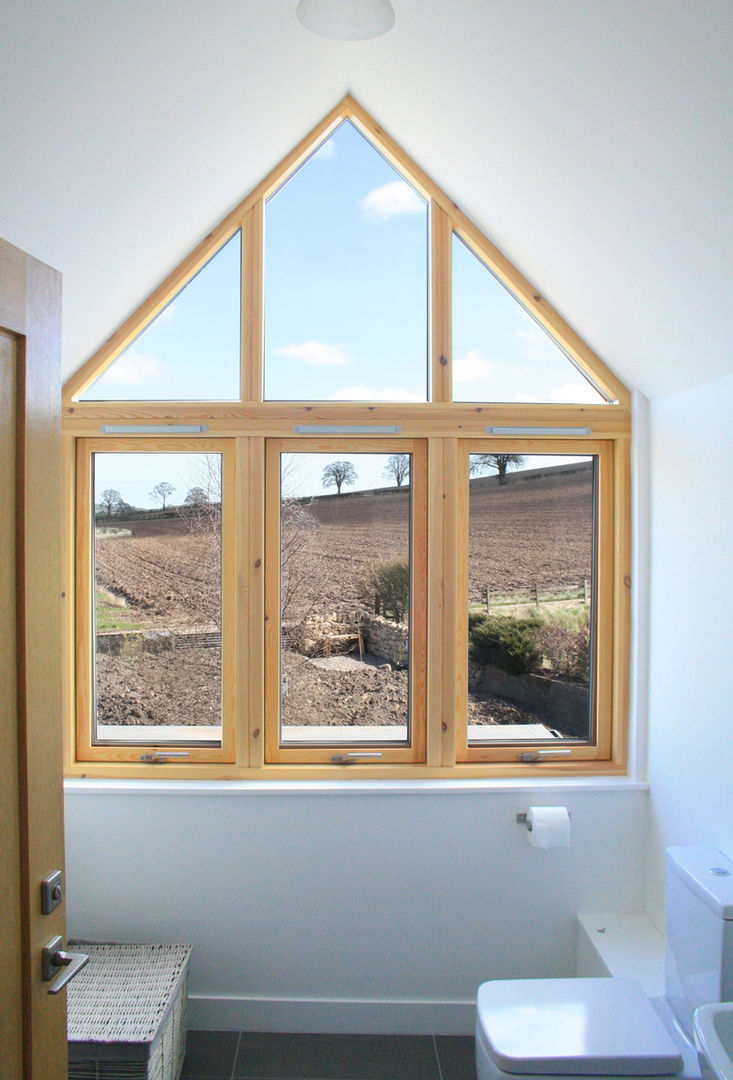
88,749
598,746
414,752
446,428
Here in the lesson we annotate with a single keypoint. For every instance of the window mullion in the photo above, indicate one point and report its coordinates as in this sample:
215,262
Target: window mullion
455,569
252,577
441,368
252,315
436,602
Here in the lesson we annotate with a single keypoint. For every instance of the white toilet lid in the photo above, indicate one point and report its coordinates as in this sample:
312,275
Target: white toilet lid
592,1027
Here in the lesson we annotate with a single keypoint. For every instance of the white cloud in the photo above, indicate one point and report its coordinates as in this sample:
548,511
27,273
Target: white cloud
316,353
363,393
135,367
325,151
168,314
391,200
472,367
526,399
577,393
534,344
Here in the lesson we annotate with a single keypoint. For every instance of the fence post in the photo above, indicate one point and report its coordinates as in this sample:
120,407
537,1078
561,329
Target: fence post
537,595
488,599
585,590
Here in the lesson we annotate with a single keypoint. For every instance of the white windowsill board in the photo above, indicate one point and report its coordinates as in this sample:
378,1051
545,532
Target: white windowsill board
238,788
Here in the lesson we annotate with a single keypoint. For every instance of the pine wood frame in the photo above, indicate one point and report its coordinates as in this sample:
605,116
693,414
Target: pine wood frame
276,752
87,747
443,424
598,746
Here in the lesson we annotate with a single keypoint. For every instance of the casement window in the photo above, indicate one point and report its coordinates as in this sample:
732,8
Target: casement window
155,600
535,577
346,496
346,590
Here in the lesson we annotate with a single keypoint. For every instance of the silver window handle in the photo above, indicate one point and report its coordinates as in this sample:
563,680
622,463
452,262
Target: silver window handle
355,756
54,959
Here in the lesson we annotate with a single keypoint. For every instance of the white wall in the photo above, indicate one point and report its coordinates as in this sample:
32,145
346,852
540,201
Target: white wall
378,907
315,908
691,657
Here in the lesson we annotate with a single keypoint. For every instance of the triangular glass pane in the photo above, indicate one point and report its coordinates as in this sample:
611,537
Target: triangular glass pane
190,351
346,246
499,352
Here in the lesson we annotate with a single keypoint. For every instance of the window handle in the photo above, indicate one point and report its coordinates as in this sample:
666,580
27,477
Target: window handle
159,756
538,755
354,756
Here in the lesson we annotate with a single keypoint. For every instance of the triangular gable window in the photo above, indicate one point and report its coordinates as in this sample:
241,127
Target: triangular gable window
356,266
346,241
500,353
190,352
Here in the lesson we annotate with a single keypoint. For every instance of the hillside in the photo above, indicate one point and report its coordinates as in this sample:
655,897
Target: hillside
535,529
160,571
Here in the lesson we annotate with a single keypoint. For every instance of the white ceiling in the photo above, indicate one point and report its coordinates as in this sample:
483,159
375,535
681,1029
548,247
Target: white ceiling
590,139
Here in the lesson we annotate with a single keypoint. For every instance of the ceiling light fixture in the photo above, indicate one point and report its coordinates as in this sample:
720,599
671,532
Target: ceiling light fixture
347,20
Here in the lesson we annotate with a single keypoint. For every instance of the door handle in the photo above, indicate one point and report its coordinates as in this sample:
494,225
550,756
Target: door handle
54,959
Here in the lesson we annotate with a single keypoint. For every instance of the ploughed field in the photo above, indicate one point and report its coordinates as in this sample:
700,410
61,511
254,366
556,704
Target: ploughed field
534,531
159,573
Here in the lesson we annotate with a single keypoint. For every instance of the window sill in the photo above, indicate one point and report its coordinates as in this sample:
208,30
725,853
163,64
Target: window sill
88,786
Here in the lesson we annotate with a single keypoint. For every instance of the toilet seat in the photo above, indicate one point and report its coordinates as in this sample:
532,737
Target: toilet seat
571,1027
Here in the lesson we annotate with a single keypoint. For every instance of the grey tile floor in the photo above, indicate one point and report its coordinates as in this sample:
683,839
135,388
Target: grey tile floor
231,1055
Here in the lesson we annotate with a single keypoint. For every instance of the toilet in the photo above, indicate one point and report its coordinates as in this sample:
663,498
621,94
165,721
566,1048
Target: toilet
527,1029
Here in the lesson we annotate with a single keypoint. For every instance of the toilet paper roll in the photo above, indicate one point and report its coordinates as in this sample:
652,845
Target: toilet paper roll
549,826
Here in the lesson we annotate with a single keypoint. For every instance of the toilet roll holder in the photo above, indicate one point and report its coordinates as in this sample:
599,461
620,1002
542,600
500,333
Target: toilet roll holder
523,819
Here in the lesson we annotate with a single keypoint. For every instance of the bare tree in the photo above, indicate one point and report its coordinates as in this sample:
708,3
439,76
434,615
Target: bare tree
110,500
162,491
201,518
339,473
397,468
305,572
501,462
196,497
302,567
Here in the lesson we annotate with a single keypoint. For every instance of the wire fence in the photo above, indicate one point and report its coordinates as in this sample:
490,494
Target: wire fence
536,595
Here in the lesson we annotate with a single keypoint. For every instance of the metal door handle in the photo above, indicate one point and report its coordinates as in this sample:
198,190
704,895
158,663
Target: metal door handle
53,959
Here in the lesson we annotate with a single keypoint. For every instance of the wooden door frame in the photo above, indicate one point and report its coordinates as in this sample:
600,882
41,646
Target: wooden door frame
30,312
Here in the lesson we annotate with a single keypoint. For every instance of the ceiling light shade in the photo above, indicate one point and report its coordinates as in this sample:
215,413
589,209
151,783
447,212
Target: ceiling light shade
347,20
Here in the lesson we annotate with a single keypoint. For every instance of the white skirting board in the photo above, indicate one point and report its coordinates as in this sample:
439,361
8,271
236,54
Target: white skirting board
332,1015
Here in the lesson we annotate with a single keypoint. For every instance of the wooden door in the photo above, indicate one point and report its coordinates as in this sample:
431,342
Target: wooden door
33,1027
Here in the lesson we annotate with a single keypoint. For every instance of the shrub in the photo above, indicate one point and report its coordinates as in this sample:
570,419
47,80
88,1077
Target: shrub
506,643
566,652
391,582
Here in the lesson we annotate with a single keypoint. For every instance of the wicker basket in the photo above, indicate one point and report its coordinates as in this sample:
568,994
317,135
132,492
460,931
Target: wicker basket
127,1012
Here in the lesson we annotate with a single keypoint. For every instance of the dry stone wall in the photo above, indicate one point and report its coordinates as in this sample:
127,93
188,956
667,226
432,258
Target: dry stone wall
339,632
387,640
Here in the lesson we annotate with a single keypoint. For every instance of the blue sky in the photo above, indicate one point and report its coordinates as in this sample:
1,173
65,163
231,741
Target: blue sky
346,305
346,247
499,352
134,475
190,351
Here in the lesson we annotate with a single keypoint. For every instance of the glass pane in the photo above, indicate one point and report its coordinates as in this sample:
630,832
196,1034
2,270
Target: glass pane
499,352
345,598
157,597
530,597
346,241
190,352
